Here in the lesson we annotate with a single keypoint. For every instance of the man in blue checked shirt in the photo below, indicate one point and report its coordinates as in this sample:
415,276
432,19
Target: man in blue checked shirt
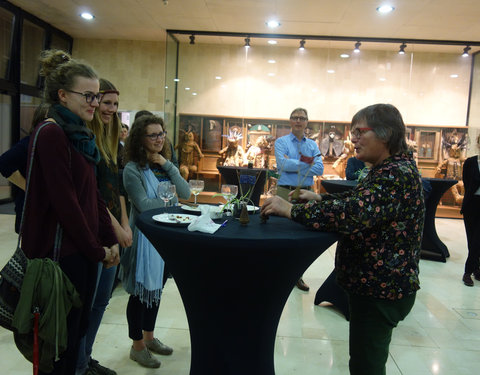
298,160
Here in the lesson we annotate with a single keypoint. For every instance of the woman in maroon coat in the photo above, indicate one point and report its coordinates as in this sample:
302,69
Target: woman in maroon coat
62,190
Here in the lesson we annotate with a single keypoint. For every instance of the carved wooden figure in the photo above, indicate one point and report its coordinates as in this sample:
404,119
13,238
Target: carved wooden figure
188,150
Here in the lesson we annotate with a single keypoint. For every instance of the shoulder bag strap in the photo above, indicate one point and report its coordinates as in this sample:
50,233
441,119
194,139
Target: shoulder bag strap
59,231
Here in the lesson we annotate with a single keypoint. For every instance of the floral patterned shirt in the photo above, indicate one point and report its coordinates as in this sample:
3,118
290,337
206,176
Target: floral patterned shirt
381,226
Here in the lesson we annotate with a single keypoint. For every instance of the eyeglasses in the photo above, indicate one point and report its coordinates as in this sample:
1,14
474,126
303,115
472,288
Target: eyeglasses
155,136
89,97
358,132
298,118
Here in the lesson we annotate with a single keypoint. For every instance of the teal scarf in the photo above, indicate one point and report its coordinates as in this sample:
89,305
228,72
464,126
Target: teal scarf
81,137
150,265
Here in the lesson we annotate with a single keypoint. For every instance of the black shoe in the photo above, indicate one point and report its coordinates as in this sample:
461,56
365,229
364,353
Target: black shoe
97,369
302,286
467,279
476,274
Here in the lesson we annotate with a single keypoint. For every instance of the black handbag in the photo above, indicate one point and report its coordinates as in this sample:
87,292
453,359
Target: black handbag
11,278
11,275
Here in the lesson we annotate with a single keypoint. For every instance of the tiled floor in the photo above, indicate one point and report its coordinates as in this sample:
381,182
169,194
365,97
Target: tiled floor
440,336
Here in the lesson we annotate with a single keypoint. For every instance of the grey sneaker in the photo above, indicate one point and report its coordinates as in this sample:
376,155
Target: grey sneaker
144,358
158,347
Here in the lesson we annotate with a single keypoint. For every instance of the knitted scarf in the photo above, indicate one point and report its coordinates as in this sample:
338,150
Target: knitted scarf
81,137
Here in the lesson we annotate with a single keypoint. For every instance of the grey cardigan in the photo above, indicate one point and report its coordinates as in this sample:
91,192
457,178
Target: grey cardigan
135,185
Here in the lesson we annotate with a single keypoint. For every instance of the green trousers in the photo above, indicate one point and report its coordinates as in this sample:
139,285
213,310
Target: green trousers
371,325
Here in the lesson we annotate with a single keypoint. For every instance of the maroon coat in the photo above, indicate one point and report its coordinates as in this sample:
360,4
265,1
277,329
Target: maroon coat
63,189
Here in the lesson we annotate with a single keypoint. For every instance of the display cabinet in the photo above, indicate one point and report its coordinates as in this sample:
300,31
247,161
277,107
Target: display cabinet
433,143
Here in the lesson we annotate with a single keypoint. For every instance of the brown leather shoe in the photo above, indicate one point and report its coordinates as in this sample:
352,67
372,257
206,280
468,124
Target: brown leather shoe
302,286
467,279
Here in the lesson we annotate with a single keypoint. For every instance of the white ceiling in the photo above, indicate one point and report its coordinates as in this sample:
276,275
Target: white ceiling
148,19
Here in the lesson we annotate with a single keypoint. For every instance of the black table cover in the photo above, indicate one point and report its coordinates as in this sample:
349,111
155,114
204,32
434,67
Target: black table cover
234,284
432,247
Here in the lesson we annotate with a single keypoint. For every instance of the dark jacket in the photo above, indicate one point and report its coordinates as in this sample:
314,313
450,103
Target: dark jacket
471,182
11,161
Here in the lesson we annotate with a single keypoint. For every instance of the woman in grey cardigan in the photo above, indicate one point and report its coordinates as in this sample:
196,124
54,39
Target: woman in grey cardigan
144,272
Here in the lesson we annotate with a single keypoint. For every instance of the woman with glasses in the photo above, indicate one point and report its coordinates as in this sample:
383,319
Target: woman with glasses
144,271
380,224
62,198
106,127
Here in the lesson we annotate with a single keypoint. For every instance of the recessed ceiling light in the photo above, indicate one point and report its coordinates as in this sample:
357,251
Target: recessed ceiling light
382,79
272,42
385,9
453,75
271,74
344,55
87,16
194,93
330,71
273,24
218,77
176,80
187,88
271,61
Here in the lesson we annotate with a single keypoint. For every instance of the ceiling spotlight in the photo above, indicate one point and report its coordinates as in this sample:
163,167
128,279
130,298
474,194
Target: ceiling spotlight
247,42
192,39
272,42
273,24
385,9
402,49
465,51
87,16
302,45
357,47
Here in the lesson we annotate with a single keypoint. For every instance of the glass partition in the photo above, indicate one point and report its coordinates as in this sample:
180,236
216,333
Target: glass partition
28,105
6,22
171,87
5,139
59,42
220,84
33,38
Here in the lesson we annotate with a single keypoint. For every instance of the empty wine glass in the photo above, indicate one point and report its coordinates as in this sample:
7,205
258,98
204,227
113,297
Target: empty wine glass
196,187
166,191
229,192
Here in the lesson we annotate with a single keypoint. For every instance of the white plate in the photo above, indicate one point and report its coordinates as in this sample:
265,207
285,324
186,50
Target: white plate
174,219
190,208
250,208
215,211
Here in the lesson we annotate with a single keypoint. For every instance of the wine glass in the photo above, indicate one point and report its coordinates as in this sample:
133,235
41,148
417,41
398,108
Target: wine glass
196,187
229,192
166,191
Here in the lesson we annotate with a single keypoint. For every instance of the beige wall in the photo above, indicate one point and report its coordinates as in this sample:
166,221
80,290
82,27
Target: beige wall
136,68
419,84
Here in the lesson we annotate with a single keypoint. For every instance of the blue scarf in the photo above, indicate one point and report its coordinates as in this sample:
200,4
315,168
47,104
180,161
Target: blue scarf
81,137
150,265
